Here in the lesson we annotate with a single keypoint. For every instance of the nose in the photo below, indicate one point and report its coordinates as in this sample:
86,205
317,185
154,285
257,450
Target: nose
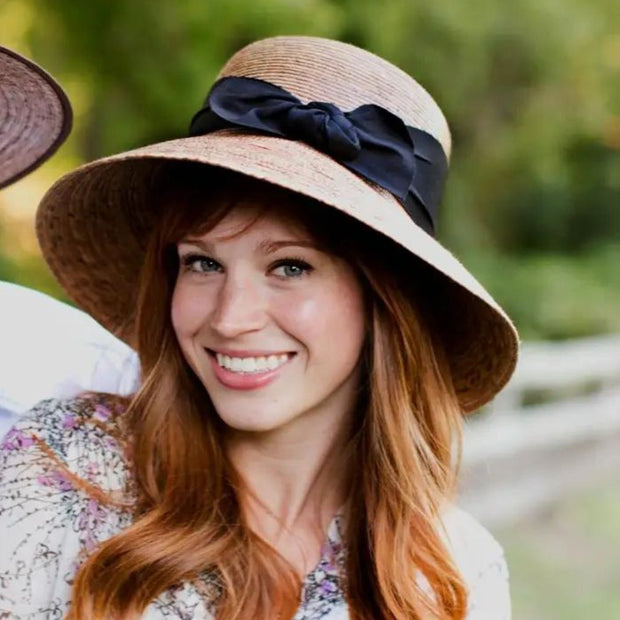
240,307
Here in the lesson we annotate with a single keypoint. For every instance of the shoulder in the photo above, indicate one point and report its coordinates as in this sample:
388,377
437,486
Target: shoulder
481,562
472,545
81,439
50,349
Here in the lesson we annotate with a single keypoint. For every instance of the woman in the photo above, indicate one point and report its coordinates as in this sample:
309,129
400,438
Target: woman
308,350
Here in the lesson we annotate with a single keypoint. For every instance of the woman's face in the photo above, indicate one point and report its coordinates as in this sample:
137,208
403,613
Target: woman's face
271,325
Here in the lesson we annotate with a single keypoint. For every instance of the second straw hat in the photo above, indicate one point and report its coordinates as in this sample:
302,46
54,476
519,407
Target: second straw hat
35,116
318,117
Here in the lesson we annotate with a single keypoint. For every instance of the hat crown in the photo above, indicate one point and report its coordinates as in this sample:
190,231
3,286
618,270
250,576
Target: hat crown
315,69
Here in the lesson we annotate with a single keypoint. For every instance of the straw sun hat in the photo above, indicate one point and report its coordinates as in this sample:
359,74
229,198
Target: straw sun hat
35,116
321,118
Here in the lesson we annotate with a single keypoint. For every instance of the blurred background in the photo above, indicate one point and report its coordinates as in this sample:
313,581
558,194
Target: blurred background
531,89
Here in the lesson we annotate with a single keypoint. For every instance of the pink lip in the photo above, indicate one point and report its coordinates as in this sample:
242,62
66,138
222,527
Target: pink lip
251,381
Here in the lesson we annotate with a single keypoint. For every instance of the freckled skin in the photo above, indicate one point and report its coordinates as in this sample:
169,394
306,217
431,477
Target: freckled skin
247,302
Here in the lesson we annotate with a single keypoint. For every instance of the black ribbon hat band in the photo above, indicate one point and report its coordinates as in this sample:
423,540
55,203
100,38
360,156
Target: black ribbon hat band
370,140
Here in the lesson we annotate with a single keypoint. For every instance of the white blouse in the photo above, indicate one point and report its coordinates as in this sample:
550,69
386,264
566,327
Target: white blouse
52,350
48,526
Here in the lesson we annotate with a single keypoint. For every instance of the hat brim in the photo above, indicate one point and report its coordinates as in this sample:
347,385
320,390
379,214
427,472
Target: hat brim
93,224
35,116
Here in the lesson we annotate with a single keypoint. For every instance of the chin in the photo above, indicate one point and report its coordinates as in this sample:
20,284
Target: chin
251,423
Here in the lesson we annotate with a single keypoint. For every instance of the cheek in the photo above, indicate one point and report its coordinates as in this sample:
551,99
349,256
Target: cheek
344,320
188,311
330,322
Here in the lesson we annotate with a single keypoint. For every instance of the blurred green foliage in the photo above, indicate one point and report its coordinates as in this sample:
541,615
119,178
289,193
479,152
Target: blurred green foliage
555,296
530,88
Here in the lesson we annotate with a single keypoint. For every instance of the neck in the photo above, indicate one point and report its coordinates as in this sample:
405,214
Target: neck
294,476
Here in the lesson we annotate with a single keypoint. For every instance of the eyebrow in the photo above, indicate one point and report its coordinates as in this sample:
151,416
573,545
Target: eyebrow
203,245
268,246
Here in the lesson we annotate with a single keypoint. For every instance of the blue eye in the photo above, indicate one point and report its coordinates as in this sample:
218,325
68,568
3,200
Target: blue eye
200,264
291,268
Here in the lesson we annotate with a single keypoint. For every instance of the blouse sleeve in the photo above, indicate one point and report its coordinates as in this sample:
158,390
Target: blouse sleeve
489,597
48,523
481,562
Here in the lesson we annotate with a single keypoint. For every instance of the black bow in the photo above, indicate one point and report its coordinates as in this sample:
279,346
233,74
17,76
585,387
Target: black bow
369,140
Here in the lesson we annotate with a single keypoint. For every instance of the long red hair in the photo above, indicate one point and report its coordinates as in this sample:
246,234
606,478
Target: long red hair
189,517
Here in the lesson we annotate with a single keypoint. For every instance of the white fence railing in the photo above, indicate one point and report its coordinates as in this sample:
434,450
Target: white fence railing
555,428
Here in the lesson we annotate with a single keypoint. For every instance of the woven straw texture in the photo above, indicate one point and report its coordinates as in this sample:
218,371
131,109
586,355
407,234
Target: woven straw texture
35,116
94,222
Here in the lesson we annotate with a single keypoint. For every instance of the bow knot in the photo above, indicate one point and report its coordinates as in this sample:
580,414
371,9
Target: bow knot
326,127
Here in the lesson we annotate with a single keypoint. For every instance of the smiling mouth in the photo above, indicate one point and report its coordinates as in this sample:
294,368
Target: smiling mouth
250,365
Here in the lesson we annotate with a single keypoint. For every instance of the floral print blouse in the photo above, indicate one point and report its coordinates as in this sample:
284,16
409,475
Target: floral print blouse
64,487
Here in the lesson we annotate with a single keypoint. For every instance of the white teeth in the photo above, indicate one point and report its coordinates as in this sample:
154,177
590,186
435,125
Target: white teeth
251,364
248,364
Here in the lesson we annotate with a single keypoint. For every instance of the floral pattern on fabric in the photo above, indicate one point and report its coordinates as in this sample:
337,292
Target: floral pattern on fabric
322,588
56,466
66,486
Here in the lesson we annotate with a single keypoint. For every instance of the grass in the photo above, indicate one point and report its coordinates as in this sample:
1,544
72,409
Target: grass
565,565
